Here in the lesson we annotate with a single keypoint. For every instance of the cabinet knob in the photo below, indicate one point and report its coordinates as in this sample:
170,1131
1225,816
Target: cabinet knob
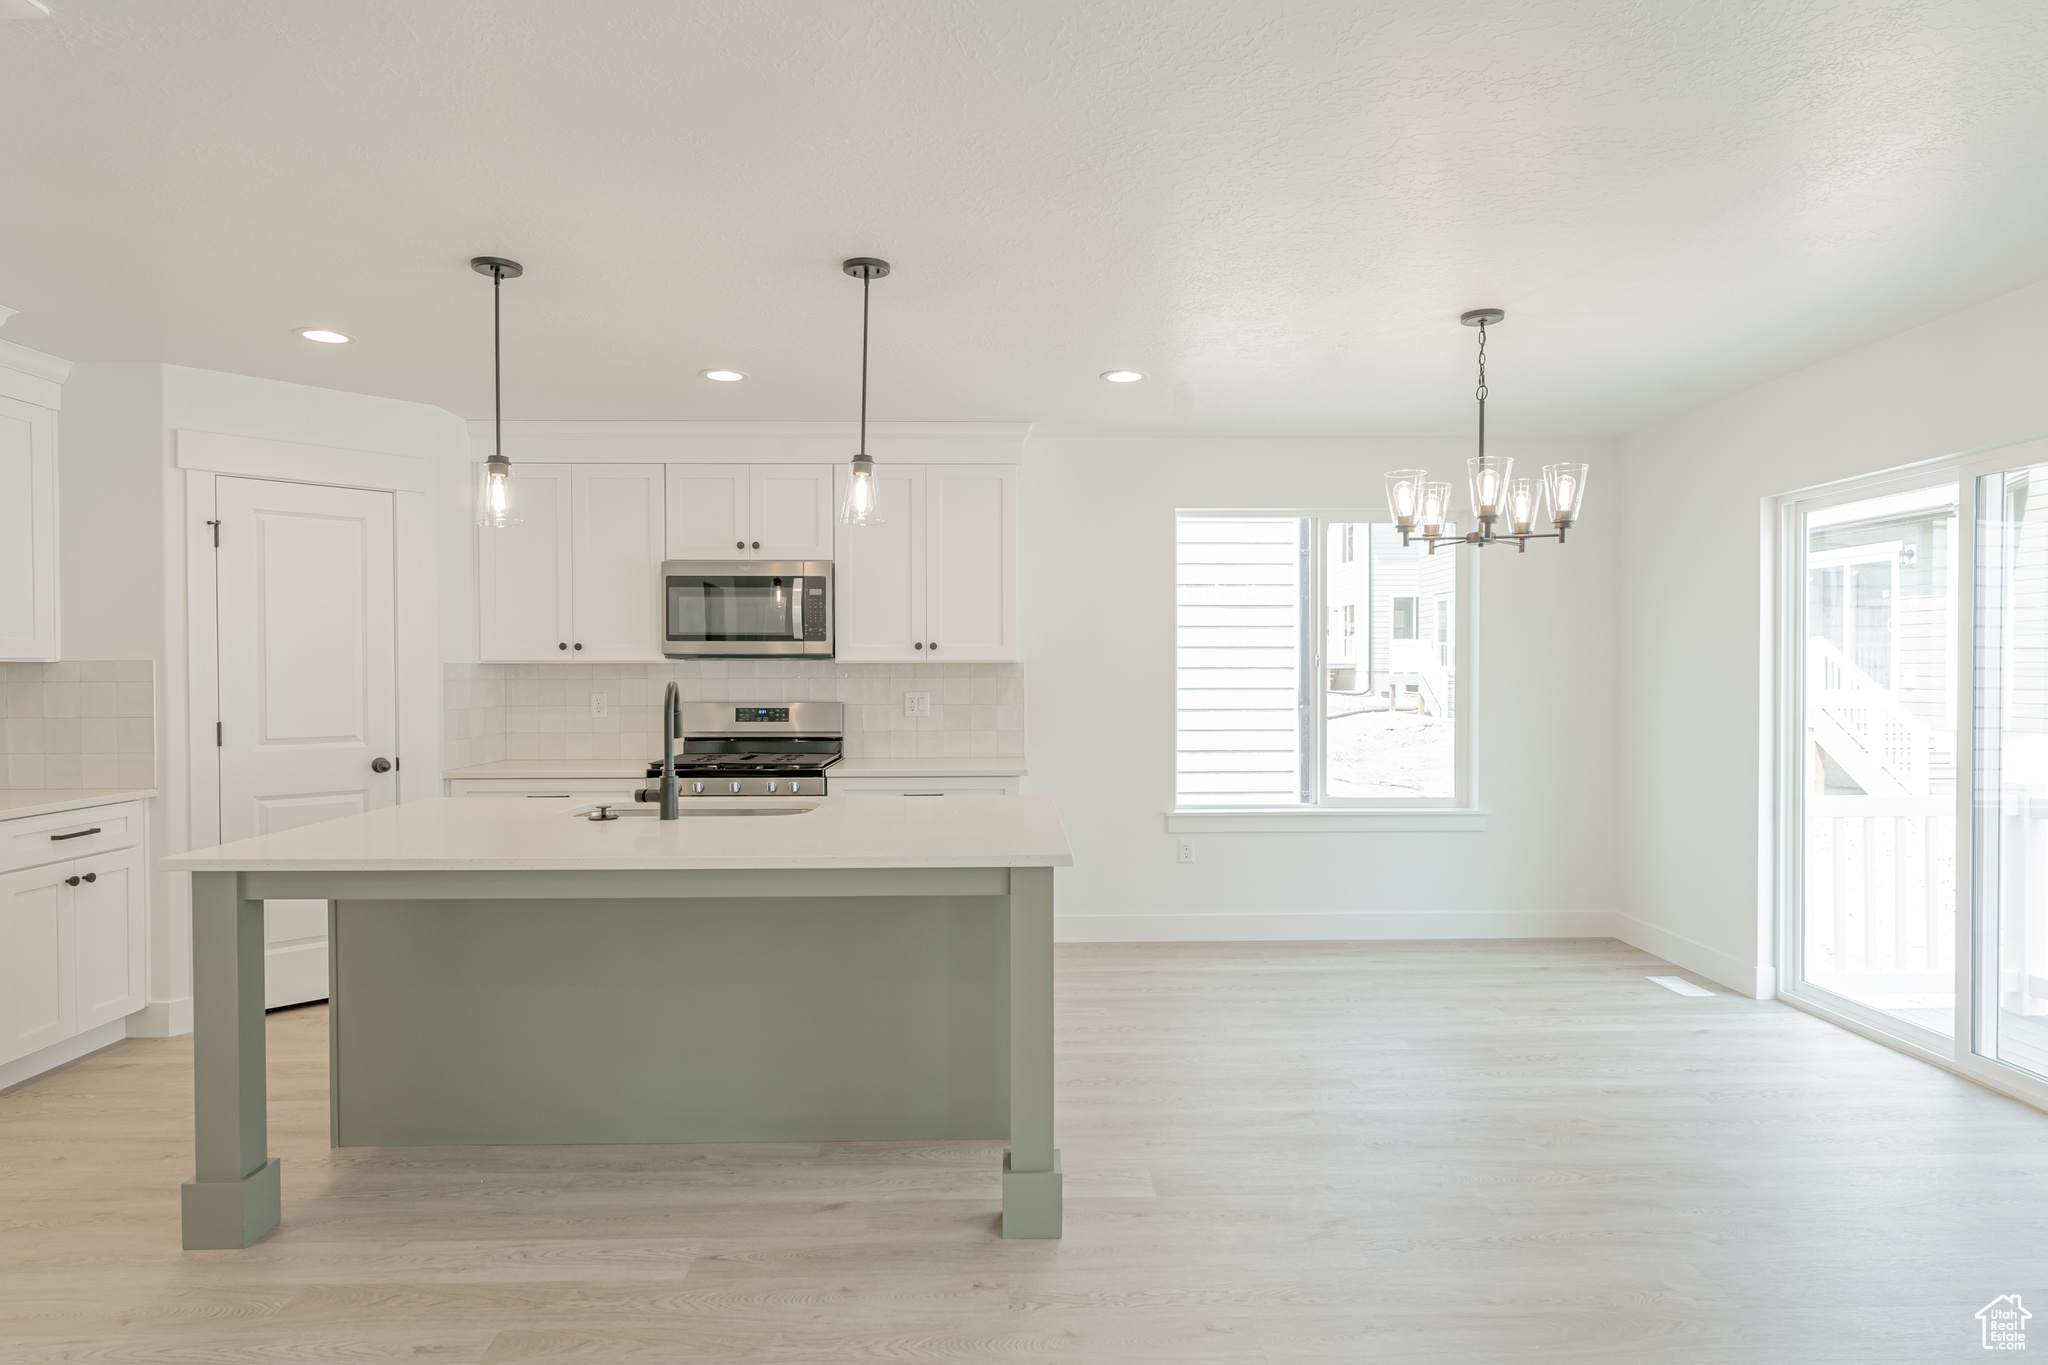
918,645
563,645
757,544
579,644
739,545
380,765
935,646
92,876
71,881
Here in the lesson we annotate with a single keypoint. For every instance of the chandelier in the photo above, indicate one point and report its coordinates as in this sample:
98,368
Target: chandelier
1422,509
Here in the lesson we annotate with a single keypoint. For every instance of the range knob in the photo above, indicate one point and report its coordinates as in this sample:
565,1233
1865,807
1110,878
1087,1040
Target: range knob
793,787
771,788
697,788
735,789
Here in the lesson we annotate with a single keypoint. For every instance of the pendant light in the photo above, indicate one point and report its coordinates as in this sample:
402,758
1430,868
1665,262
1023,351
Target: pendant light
1422,509
863,505
494,499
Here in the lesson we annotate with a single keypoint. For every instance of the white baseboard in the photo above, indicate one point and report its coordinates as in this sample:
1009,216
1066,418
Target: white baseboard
1334,924
162,1019
56,1054
1756,982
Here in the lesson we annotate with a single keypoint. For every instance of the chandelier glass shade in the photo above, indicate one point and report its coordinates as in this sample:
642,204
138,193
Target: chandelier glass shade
1505,508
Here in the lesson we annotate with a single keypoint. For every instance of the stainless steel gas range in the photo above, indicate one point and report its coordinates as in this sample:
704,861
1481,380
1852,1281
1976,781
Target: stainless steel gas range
732,750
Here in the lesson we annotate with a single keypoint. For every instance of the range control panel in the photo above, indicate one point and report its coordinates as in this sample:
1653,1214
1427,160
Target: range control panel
814,608
761,713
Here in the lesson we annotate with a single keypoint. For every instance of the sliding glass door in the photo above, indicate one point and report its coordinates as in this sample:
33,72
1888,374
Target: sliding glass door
1914,762
1876,754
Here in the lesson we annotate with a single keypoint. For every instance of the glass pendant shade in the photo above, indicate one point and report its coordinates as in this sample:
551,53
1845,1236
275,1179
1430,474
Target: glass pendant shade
1525,500
863,505
494,498
1436,505
1404,494
1488,477
1566,484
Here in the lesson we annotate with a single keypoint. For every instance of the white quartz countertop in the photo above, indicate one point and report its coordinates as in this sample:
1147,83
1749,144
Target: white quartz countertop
457,834
50,800
563,769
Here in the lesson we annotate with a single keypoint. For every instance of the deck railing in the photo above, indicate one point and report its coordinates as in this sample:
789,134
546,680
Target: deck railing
1863,726
1880,893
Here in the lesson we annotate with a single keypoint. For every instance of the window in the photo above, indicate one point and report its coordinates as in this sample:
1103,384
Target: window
1268,715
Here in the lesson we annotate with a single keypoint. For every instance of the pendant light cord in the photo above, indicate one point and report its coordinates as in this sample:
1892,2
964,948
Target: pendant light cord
1480,394
497,368
865,282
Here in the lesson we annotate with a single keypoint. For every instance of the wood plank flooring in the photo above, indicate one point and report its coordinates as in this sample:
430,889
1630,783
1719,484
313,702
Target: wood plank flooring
1321,1152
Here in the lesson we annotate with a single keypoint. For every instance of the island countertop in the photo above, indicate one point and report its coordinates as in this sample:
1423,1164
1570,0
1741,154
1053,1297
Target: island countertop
466,834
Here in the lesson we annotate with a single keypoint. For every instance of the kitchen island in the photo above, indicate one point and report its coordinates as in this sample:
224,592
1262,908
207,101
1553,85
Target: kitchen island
857,968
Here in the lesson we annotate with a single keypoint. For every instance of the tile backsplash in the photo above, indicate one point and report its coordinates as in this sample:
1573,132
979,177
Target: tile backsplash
73,725
492,712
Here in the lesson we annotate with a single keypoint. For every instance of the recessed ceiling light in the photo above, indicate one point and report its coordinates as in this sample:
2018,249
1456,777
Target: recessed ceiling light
723,376
1122,376
322,334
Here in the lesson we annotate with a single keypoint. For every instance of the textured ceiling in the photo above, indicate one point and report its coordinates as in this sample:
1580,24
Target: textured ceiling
1276,210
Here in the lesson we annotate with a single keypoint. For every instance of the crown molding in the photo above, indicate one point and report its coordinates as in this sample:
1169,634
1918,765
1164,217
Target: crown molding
32,376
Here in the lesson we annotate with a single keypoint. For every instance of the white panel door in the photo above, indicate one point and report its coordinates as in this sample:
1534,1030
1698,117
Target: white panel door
308,663
523,571
616,552
878,571
37,991
791,510
28,531
970,561
707,511
108,918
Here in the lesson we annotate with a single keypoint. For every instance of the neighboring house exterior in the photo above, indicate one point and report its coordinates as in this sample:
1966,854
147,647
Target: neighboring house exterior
1392,619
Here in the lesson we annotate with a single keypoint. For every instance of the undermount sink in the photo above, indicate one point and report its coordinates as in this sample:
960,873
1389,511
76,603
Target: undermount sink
696,807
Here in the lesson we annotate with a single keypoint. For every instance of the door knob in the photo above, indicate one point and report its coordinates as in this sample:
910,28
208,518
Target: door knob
71,881
380,765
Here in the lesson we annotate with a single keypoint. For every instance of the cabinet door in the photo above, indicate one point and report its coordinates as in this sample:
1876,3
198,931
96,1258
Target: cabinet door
970,561
707,511
108,934
28,531
37,991
878,571
523,570
616,552
791,511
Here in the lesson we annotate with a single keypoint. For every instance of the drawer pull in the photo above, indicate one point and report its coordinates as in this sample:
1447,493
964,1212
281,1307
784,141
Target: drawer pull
924,793
75,834
546,796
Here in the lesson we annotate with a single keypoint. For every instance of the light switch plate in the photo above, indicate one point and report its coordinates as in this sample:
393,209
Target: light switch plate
917,703
600,704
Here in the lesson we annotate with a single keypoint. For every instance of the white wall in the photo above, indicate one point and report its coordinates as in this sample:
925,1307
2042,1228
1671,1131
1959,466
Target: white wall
1696,770
1097,569
123,535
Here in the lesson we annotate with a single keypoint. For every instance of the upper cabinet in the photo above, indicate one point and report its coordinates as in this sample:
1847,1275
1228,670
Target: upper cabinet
28,503
938,577
579,576
736,511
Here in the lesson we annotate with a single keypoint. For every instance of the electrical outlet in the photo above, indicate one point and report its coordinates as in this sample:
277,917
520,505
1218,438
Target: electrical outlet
917,703
1187,850
600,704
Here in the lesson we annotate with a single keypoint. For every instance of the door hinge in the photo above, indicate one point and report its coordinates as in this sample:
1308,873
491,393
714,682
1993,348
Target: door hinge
216,533
218,742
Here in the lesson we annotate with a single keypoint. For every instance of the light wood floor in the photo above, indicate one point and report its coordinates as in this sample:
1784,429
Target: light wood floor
1274,1153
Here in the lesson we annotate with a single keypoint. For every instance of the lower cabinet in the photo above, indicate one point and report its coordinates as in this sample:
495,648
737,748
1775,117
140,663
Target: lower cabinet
73,939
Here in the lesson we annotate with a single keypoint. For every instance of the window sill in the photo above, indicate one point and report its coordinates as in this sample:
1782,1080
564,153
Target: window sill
1328,820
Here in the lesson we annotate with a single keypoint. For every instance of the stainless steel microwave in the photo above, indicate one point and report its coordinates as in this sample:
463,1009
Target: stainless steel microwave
746,609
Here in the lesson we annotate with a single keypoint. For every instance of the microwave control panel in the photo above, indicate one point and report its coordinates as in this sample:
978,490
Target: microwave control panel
815,626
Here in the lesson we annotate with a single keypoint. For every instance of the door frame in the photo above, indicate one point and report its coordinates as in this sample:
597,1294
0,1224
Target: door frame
1785,734
415,649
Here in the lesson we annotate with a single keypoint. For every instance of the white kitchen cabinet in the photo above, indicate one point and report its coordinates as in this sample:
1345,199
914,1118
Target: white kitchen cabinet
73,930
579,576
938,578
28,531
737,511
922,786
